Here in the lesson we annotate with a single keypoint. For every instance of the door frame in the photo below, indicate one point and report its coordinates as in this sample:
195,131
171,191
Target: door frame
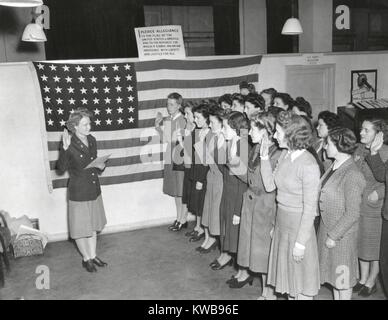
330,67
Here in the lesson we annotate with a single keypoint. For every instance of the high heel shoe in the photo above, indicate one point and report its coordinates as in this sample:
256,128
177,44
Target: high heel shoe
179,226
218,266
89,266
98,262
197,237
367,292
239,284
358,287
174,224
212,247
191,233
213,263
232,279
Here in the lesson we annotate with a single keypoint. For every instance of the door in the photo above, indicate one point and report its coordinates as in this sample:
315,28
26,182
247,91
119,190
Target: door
314,83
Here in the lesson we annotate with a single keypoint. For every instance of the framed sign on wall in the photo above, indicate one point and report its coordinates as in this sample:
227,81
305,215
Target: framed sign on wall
363,85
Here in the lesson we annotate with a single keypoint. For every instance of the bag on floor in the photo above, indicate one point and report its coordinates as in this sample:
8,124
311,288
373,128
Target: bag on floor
27,245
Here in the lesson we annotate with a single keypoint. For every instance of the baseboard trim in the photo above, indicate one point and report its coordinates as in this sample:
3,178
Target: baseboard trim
121,228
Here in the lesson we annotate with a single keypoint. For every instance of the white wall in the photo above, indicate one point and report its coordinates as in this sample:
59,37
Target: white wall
23,188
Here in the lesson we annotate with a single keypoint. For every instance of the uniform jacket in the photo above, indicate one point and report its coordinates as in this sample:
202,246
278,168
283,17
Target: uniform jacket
83,183
340,200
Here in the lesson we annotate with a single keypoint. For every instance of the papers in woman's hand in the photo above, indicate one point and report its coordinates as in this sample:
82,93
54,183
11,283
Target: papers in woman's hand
98,162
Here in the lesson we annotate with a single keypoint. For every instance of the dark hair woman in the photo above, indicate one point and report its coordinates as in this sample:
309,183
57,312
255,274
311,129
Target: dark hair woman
225,101
186,142
293,262
340,198
369,234
199,168
214,180
86,208
268,95
303,108
253,102
284,101
259,206
238,102
235,131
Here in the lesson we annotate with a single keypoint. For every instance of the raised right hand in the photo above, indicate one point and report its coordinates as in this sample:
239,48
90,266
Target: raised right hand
377,143
158,119
264,146
66,139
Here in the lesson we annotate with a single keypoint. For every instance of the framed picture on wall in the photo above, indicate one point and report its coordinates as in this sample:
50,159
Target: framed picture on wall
364,85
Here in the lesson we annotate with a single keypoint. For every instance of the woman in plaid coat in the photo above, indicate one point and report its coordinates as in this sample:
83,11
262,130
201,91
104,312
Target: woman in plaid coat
340,198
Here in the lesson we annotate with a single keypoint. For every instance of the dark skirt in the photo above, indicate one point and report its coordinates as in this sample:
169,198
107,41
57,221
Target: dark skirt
187,186
197,199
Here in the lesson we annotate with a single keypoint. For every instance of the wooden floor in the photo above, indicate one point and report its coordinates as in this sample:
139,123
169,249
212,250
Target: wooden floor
143,264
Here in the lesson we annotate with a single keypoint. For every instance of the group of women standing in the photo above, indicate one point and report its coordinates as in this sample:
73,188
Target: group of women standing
257,188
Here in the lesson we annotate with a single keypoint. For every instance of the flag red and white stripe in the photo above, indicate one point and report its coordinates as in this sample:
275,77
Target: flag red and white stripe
136,153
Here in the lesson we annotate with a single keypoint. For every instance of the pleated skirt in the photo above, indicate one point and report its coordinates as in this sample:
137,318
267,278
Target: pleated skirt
284,273
86,217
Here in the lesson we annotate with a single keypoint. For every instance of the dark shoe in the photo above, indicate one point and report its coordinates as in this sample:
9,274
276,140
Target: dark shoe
232,279
197,237
175,223
358,287
212,247
239,284
89,266
220,267
366,291
191,233
179,227
199,249
213,263
98,262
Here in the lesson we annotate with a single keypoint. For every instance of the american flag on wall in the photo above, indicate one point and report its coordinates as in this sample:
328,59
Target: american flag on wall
124,98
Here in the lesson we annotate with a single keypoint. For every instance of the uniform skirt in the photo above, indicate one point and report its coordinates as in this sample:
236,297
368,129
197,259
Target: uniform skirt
197,199
256,224
284,273
340,261
187,185
86,217
172,181
369,238
211,208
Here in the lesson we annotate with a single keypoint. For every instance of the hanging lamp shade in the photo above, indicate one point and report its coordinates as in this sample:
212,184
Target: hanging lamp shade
292,27
33,32
21,3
